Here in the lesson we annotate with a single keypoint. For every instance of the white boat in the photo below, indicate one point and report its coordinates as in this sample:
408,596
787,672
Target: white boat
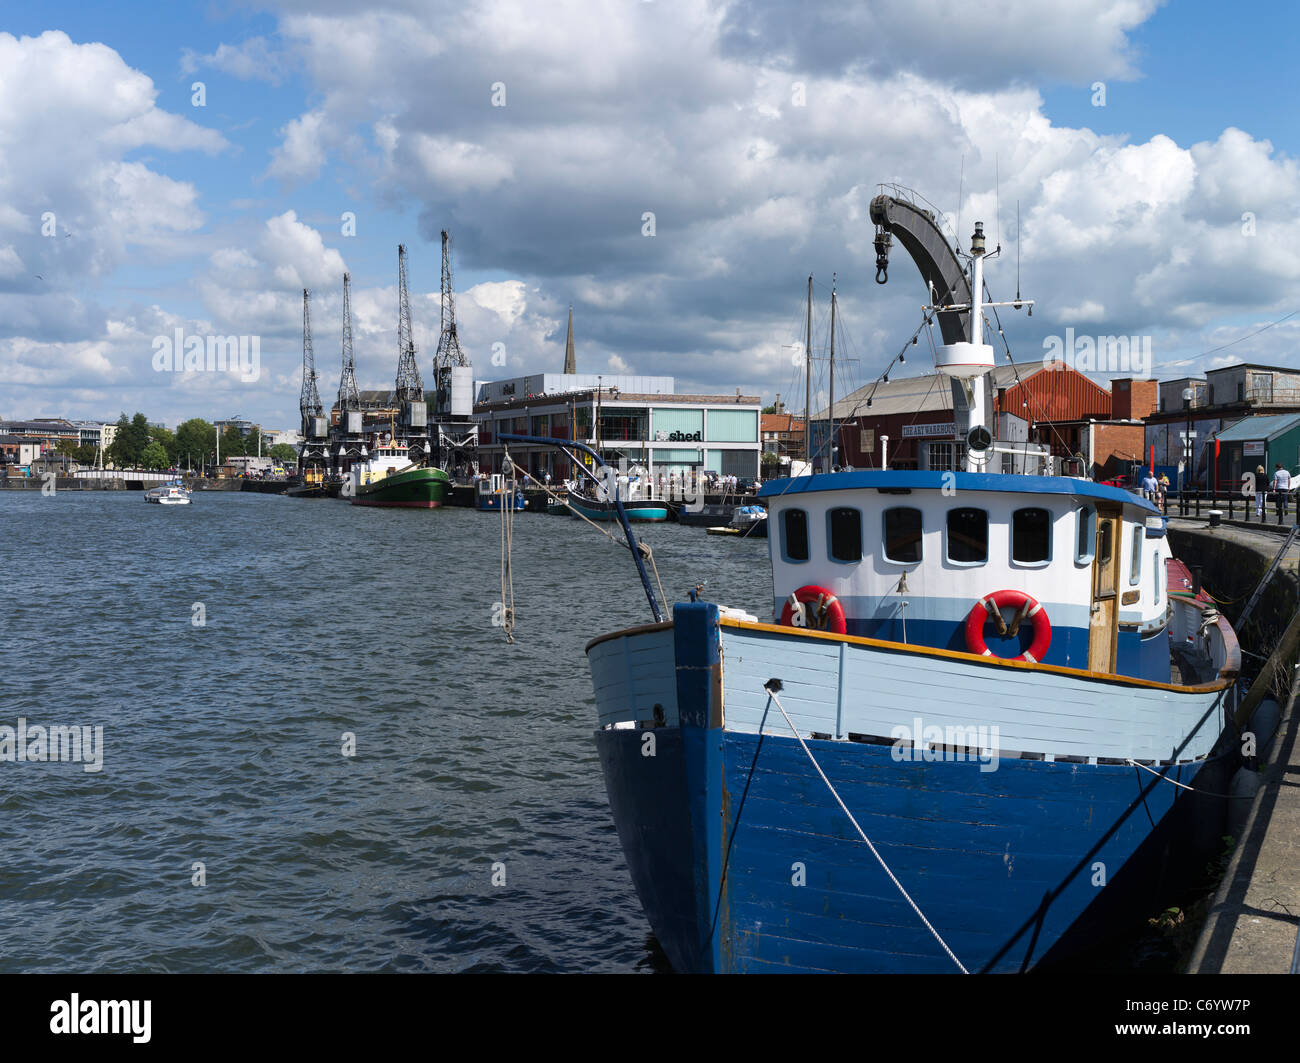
174,493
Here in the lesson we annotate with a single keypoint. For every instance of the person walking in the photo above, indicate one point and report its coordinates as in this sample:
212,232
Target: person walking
1261,486
1282,486
1150,486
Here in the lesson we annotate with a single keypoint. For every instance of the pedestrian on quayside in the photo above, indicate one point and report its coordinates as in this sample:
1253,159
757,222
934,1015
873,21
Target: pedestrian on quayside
1282,486
1261,488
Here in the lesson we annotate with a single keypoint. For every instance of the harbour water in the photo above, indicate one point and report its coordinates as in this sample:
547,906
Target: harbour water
223,743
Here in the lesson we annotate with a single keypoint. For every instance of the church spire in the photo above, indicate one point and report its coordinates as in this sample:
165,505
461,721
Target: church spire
570,359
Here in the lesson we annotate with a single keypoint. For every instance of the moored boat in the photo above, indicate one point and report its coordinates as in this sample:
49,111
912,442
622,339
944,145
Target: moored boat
492,493
638,501
173,493
389,478
979,700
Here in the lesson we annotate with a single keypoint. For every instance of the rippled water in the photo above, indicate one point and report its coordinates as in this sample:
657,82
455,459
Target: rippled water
223,743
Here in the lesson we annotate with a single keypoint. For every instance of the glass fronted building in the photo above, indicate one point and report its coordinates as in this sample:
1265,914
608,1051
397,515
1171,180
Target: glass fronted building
639,419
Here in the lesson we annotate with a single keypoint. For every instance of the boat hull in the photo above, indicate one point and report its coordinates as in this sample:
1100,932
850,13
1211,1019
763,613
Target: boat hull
744,861
638,511
492,504
414,489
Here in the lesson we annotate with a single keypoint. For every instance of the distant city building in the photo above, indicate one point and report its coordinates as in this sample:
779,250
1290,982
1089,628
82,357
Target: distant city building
239,424
783,434
17,454
641,419
1246,408
288,436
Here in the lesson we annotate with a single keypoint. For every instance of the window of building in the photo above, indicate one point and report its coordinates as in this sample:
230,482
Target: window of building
1086,544
947,456
1135,561
794,535
1031,536
968,536
844,530
902,542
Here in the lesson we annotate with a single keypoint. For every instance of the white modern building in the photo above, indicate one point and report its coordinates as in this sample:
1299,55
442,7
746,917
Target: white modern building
637,418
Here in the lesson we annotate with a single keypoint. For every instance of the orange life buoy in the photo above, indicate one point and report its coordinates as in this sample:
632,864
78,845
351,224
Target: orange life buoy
1027,608
826,614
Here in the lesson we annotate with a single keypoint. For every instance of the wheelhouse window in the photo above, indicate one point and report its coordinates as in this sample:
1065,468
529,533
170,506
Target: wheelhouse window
1135,560
1155,576
903,535
1031,536
794,535
1086,544
844,530
968,536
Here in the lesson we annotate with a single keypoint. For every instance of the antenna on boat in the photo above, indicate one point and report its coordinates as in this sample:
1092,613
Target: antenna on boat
1016,304
961,182
807,392
830,454
997,198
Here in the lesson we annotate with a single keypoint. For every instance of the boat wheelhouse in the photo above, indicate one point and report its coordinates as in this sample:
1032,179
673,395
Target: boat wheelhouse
916,557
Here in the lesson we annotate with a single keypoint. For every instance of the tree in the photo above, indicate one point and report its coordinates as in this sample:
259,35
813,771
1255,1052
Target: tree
66,447
168,440
770,458
234,444
120,452
196,441
154,456
139,434
283,452
769,409
87,454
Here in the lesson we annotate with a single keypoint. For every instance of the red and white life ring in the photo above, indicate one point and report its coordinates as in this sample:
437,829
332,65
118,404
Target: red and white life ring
1027,608
826,613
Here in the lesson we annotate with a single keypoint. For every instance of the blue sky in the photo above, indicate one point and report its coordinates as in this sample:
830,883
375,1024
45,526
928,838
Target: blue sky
212,218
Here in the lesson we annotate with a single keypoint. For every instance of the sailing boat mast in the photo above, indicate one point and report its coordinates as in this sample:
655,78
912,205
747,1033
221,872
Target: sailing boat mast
807,387
830,457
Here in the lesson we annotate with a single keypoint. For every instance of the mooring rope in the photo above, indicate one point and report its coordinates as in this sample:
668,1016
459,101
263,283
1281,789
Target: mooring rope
507,558
771,693
1175,782
646,552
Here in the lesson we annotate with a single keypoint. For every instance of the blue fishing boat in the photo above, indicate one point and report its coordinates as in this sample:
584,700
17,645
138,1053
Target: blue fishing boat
982,691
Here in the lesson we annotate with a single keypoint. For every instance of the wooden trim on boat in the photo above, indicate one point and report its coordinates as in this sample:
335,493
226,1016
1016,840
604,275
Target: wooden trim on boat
972,658
1225,676
640,629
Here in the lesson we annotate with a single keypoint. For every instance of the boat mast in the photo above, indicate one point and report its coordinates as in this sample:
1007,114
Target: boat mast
830,457
807,386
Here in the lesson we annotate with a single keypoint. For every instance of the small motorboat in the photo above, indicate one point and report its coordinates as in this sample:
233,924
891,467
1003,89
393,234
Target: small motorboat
174,493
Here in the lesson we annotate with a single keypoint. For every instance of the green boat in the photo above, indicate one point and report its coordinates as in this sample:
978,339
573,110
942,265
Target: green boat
390,479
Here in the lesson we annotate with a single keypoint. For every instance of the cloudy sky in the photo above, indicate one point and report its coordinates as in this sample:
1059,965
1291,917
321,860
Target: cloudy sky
195,166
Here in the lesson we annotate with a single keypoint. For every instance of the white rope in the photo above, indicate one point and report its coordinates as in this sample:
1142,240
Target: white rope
1158,775
906,896
1175,782
507,558
646,552
603,531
